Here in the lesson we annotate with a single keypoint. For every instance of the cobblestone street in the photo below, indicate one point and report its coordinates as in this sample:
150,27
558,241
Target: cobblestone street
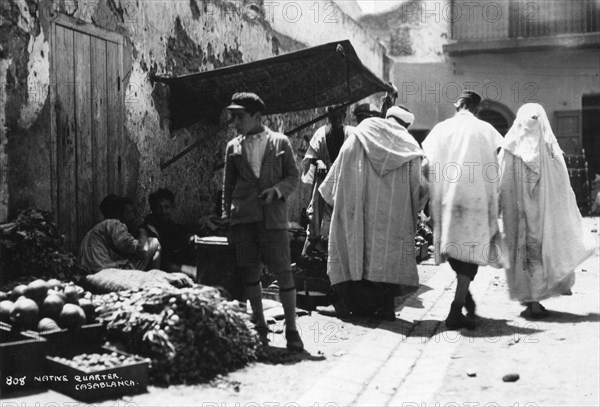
414,361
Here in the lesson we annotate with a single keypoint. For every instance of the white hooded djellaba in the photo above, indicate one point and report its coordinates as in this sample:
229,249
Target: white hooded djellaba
375,189
544,229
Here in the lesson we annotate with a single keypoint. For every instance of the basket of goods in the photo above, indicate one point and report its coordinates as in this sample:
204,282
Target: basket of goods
313,288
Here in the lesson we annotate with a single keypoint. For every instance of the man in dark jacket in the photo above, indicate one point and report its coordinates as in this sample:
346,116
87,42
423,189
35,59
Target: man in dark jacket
260,174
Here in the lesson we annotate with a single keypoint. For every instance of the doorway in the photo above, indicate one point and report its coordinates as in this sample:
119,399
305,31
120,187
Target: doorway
86,123
496,114
590,127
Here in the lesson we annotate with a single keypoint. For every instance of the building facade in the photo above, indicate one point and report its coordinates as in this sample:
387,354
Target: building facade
511,52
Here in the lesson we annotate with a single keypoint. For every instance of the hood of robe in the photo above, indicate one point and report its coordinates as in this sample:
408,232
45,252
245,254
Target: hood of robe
388,145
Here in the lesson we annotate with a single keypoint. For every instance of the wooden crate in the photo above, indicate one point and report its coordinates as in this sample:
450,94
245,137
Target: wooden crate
21,357
86,335
86,385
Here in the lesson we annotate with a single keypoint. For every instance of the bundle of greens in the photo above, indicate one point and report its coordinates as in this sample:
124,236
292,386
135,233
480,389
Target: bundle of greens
31,245
191,334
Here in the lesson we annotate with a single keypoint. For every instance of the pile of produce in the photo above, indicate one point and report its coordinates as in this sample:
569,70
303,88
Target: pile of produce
190,334
32,246
46,306
93,362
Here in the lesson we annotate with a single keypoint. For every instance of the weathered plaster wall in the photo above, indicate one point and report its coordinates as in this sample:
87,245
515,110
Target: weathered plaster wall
4,63
323,21
350,7
24,146
163,37
414,31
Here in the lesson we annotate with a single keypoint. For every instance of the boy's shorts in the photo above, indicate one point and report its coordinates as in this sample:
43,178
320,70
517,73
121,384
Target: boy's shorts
254,243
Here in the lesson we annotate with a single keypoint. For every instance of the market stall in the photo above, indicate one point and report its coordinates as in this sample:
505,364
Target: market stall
326,75
90,344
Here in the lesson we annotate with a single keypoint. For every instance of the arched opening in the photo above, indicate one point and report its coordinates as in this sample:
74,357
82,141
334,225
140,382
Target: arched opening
496,114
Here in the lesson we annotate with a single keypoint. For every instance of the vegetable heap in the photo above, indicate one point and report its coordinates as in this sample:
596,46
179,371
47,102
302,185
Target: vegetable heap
191,334
33,246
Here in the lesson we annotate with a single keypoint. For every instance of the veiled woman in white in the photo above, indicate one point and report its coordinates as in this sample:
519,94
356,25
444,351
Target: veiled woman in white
543,226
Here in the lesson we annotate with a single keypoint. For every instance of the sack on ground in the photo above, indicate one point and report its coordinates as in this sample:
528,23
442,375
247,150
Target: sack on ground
111,280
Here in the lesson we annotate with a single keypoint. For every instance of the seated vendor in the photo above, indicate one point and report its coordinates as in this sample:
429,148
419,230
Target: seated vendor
109,244
176,254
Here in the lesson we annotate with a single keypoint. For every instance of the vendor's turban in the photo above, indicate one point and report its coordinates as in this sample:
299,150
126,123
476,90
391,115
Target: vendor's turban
400,114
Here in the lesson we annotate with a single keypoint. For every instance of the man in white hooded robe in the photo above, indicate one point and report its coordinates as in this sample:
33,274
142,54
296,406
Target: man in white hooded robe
376,192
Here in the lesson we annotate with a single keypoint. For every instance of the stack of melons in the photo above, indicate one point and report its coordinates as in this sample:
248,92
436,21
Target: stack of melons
46,306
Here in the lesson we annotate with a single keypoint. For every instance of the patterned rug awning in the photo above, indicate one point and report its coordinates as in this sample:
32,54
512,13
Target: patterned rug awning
314,77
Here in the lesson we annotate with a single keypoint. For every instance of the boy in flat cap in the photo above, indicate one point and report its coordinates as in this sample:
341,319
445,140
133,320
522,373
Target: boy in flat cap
323,150
260,174
461,154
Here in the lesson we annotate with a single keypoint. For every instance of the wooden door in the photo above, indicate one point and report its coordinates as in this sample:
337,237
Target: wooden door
568,131
86,123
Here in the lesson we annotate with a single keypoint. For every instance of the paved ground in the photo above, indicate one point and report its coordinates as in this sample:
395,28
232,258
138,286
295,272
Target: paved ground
414,361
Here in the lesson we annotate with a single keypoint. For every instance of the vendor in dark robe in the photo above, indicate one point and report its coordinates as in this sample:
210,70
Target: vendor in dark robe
365,111
324,148
176,255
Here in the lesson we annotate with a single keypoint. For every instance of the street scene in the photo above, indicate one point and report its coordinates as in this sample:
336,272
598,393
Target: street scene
299,203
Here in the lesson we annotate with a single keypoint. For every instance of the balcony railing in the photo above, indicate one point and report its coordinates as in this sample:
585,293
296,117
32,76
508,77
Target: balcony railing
551,17
501,19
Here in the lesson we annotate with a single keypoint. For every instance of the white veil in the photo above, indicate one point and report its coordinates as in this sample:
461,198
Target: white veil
531,128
